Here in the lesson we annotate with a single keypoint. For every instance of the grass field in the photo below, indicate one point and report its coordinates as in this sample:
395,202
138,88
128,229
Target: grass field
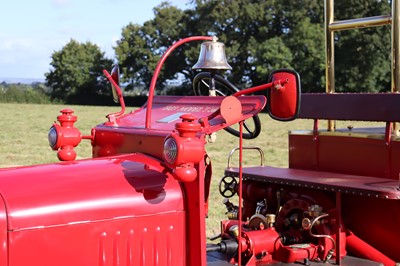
23,141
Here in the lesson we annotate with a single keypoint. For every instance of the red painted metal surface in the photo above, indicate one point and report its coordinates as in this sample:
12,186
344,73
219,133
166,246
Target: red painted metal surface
143,199
294,202
374,221
284,96
277,83
359,247
130,135
68,136
186,150
166,111
231,109
368,186
395,159
114,80
362,196
359,163
107,211
343,154
4,243
195,223
351,106
124,241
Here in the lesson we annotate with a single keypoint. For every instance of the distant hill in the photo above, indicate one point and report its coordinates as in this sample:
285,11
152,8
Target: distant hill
21,80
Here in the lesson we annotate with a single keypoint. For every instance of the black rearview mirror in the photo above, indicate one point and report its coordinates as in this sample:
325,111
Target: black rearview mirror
115,77
284,99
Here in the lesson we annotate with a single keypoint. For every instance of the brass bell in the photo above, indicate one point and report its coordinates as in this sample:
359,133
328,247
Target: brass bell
212,56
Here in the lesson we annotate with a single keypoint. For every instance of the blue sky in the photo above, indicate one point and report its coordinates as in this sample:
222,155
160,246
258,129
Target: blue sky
32,30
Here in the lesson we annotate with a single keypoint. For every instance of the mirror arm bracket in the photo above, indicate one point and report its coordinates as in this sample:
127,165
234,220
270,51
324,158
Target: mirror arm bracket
278,84
113,116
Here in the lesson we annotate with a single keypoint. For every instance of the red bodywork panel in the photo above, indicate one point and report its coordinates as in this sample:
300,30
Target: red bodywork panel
360,163
168,109
348,158
119,209
360,196
143,199
352,174
344,154
365,151
351,106
129,134
326,181
110,204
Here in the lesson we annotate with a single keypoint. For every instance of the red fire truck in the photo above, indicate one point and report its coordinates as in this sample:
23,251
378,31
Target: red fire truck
143,197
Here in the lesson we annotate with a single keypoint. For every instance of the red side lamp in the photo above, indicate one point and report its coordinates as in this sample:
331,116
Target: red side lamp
183,149
64,137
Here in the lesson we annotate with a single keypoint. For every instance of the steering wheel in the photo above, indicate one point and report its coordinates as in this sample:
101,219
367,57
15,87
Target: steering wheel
223,87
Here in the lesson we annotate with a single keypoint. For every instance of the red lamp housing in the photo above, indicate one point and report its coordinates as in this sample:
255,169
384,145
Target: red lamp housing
183,149
64,137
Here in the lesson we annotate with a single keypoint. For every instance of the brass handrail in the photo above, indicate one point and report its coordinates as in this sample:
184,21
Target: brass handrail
331,26
359,23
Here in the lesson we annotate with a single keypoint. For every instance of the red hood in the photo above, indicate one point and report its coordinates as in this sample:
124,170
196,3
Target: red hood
87,190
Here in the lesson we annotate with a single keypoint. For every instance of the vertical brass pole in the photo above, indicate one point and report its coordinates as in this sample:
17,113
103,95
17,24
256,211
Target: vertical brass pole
395,46
395,52
329,55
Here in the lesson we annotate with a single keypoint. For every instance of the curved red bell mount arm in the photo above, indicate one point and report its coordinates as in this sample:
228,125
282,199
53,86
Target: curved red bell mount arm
158,69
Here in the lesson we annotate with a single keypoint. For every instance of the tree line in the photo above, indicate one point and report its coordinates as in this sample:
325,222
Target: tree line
35,92
259,36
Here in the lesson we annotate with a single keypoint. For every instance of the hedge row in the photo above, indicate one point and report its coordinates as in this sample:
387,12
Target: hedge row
16,95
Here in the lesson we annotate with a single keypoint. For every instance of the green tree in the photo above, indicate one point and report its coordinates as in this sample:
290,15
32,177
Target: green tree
141,47
257,40
76,72
260,36
362,56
